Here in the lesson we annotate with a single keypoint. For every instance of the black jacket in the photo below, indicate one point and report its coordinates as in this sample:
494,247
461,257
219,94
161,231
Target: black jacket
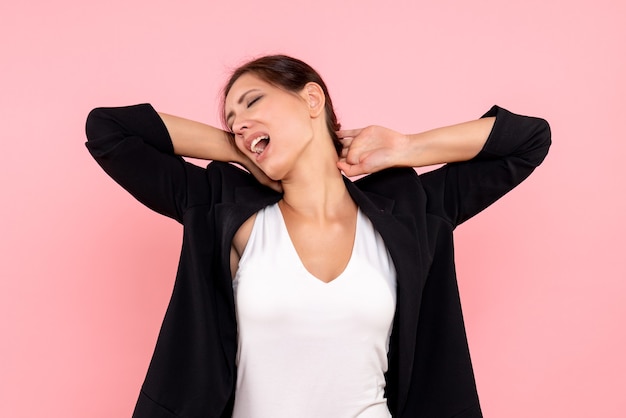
192,373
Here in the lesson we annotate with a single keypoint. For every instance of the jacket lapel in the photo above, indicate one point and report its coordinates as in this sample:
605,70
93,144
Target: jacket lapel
229,217
399,235
248,200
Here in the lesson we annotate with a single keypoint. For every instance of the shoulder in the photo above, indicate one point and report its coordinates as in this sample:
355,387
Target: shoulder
230,183
226,175
393,190
218,171
390,182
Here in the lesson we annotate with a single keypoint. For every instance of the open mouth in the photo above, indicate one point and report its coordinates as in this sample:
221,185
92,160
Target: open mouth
259,144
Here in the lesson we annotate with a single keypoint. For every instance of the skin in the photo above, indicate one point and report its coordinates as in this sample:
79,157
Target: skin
319,214
301,161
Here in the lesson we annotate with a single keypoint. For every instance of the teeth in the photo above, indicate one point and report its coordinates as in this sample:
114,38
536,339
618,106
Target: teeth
255,142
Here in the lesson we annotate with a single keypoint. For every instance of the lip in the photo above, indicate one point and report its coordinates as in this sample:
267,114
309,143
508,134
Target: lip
250,139
260,157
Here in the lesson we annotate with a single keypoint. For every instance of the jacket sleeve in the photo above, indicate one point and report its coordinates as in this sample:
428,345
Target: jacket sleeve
515,147
133,146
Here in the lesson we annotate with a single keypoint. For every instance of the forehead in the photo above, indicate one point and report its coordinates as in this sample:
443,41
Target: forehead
243,84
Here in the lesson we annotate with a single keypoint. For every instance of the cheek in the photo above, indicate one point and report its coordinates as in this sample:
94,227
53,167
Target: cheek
297,123
293,131
238,142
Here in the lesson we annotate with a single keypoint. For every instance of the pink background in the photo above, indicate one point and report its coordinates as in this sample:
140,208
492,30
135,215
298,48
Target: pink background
87,271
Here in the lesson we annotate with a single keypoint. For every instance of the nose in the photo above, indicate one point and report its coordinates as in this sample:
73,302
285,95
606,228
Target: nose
239,126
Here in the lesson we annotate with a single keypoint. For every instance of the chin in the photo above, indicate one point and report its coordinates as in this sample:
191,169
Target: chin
275,177
273,171
272,174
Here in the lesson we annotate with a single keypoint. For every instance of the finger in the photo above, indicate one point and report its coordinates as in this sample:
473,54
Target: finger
350,170
346,142
352,157
344,133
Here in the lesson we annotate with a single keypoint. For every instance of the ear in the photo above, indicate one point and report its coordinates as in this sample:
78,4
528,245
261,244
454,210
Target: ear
315,98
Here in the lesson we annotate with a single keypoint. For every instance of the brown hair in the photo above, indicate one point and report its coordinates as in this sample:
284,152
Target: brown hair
290,74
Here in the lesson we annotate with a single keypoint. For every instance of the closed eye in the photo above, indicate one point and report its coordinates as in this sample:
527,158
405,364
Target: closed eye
253,101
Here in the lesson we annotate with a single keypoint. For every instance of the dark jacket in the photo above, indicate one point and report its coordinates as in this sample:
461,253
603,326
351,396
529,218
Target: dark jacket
193,371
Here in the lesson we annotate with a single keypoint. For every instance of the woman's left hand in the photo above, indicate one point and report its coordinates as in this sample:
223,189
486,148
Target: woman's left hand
370,149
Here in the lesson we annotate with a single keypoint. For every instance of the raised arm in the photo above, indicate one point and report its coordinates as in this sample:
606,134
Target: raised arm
375,148
141,150
133,146
199,140
484,158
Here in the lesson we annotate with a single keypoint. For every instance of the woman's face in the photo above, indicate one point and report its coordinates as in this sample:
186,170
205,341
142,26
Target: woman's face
272,126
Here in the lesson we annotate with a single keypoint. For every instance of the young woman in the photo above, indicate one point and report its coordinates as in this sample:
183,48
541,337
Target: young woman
300,293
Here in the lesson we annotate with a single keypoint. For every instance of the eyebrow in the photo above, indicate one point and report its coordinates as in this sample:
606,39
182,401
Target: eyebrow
240,101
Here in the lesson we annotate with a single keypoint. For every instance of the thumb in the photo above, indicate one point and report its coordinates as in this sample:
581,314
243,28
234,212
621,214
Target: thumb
350,170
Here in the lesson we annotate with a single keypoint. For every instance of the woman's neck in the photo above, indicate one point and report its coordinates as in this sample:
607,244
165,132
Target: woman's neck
317,191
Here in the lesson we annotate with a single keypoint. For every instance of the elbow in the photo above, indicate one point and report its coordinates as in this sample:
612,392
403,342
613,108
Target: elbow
546,133
96,123
541,140
103,133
